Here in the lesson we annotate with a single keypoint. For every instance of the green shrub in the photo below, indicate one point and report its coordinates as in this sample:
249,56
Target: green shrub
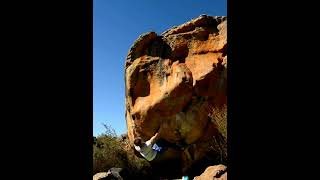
112,151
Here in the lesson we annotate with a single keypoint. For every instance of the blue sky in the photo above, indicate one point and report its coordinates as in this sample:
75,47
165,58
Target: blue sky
116,25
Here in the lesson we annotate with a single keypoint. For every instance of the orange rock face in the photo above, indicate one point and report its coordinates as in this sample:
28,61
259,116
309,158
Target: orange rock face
218,172
174,78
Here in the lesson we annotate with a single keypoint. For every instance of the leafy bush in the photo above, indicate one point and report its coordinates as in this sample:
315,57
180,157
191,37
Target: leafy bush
112,151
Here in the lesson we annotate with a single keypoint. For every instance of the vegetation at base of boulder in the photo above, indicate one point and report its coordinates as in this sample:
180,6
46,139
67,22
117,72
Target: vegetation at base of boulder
217,152
109,151
218,143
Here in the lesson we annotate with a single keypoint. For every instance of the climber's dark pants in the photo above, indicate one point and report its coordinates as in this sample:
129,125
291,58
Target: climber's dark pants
167,162
168,158
179,157
164,145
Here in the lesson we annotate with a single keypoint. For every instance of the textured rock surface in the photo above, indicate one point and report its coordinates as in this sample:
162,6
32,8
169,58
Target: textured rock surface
101,175
218,172
112,174
174,78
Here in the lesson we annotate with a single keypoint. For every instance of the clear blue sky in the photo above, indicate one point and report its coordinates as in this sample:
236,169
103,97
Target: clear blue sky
116,25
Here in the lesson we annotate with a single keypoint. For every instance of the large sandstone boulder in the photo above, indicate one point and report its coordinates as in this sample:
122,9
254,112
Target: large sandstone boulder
173,79
218,172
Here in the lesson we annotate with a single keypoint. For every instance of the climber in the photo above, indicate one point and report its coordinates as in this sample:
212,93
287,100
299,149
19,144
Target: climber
157,148
146,148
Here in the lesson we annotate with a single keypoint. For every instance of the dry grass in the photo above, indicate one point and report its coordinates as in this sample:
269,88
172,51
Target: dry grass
218,116
218,144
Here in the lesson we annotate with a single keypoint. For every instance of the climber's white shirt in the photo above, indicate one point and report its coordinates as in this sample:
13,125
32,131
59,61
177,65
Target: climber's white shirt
146,151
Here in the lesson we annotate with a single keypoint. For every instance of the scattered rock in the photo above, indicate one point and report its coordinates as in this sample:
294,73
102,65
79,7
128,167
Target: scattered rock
218,172
101,175
112,174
